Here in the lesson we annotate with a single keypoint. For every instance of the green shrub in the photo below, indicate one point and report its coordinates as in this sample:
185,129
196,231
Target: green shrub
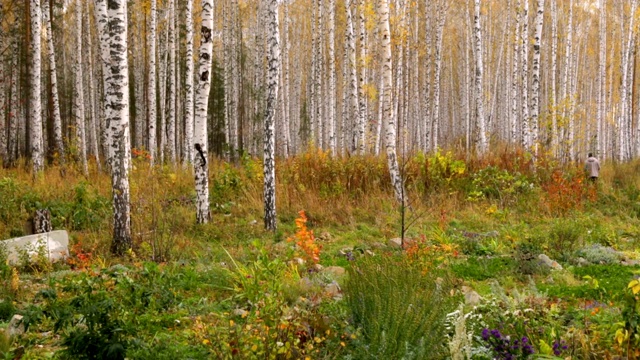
494,183
399,310
598,254
526,256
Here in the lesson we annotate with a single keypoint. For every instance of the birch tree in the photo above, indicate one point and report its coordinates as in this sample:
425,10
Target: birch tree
352,80
535,83
117,113
201,168
53,82
78,92
35,104
171,94
332,78
435,127
151,84
514,76
479,92
273,61
188,86
524,74
602,58
624,136
386,103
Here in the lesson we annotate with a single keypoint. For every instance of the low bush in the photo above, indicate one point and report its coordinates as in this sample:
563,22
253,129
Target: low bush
399,310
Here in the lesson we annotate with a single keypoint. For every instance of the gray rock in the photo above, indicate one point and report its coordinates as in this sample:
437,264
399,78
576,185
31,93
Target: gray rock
582,261
546,261
240,312
317,267
333,290
471,297
55,244
16,327
335,271
395,243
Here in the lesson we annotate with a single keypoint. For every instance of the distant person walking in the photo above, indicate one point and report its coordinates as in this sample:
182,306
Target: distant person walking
592,167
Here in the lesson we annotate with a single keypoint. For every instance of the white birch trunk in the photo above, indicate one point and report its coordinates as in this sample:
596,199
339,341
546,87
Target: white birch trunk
387,101
602,59
117,112
188,86
624,135
535,83
515,76
442,8
352,79
151,85
332,78
93,132
171,94
201,167
53,79
482,146
362,100
524,62
78,92
554,68
102,20
35,103
273,67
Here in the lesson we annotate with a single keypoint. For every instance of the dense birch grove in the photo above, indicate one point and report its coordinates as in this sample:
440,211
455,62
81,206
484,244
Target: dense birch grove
276,78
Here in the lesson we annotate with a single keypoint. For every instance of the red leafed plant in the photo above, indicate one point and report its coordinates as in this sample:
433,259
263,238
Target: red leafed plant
305,240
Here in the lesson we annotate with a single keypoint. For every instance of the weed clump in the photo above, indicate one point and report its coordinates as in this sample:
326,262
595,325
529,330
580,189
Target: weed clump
400,311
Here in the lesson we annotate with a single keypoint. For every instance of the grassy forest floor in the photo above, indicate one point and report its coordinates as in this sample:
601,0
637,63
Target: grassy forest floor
468,281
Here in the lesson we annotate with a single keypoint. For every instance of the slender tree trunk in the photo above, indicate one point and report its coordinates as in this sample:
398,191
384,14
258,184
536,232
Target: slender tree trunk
14,108
479,92
286,96
273,61
535,83
524,62
171,94
602,59
151,85
554,68
188,86
201,105
387,101
442,9
78,92
93,132
623,119
514,78
362,100
35,104
117,113
53,84
353,80
332,78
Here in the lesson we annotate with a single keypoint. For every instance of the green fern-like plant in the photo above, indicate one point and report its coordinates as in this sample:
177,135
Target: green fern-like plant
400,310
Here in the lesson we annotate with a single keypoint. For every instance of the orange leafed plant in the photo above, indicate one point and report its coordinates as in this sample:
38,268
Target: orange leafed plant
305,240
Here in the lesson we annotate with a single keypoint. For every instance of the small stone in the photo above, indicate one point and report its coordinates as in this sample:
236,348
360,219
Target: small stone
253,222
333,289
299,261
369,252
335,271
582,261
317,267
240,312
471,297
16,327
545,260
395,243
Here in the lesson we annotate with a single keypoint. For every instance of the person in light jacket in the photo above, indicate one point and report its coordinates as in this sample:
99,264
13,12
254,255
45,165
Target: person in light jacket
592,167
